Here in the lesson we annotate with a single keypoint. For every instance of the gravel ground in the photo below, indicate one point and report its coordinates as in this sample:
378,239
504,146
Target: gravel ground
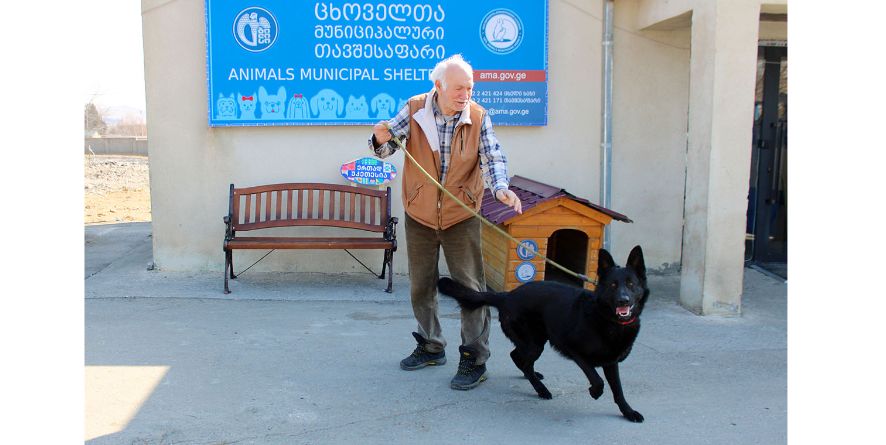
117,189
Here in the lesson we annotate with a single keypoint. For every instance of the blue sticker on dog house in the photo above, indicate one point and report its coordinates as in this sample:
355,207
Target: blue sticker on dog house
369,171
525,272
525,253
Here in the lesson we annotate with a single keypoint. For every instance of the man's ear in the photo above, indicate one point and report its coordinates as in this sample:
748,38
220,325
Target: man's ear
605,264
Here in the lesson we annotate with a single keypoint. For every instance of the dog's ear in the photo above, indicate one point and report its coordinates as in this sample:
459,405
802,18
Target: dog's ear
340,104
605,264
635,262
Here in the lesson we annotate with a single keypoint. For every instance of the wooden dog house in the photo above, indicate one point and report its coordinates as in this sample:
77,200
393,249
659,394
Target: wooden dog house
565,228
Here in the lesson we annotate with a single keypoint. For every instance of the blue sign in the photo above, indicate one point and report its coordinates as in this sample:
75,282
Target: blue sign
525,253
369,171
335,62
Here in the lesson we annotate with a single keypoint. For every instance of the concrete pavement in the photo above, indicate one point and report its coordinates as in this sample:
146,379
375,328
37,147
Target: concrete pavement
313,359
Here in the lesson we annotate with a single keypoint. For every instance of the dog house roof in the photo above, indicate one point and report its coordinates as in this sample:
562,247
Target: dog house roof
531,194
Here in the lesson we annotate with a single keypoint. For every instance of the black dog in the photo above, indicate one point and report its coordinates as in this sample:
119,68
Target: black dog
593,329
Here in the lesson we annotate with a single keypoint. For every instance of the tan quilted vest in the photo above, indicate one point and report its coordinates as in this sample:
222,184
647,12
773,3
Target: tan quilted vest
421,198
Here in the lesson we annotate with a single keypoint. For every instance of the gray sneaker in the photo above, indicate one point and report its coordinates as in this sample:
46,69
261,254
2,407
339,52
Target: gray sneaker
469,374
421,357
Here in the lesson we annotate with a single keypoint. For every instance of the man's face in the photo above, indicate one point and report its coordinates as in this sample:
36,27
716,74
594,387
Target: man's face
459,87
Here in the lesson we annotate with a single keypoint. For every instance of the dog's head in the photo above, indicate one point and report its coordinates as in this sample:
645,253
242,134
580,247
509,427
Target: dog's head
622,289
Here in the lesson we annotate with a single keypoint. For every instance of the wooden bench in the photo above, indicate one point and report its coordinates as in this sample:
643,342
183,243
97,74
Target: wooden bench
310,204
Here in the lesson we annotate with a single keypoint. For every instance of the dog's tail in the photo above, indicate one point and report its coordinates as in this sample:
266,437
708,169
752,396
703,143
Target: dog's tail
466,297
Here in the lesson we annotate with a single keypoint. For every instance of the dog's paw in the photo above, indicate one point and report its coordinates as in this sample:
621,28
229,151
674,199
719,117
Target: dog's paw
545,394
539,376
596,391
633,416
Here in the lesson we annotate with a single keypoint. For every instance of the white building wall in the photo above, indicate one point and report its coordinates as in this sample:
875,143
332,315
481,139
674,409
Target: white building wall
192,164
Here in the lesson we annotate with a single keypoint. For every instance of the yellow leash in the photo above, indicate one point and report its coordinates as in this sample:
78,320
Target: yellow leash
484,220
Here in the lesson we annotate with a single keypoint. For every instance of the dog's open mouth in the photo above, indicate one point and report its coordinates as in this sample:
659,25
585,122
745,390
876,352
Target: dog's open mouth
623,311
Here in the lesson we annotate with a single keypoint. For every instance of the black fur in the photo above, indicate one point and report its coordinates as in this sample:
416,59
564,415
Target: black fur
583,326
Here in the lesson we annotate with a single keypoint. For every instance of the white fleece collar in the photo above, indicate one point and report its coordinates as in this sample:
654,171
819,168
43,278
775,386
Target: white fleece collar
425,119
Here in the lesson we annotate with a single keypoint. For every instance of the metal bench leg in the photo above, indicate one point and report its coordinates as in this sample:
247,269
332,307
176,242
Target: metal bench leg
384,263
390,262
228,267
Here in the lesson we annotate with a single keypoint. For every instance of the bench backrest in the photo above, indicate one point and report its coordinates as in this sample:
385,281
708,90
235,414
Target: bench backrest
309,204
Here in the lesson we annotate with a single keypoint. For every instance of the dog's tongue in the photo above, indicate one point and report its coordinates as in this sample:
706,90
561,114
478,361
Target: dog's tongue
623,311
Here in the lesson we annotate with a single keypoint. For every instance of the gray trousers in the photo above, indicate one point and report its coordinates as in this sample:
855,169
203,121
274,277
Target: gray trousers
462,250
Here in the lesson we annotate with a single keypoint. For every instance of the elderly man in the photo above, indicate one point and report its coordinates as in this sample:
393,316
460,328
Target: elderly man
451,137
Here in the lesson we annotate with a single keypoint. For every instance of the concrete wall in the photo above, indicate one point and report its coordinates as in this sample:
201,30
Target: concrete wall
116,146
724,36
192,164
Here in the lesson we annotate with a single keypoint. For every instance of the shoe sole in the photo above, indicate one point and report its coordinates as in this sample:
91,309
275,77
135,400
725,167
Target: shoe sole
437,362
471,386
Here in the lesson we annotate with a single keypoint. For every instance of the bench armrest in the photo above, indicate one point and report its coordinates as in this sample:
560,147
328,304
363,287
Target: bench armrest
391,229
229,230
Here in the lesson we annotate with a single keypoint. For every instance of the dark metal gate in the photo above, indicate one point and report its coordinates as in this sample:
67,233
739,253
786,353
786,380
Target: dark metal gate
767,234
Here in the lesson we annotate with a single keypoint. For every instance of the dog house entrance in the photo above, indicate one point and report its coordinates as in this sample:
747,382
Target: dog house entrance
569,248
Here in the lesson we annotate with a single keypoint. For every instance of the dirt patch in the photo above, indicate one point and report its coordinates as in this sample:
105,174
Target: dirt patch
117,189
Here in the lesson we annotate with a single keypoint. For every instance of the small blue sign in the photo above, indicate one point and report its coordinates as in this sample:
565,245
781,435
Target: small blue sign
369,171
525,272
523,252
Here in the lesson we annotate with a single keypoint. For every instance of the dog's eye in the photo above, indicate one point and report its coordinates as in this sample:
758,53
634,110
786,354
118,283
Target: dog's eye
613,284
630,284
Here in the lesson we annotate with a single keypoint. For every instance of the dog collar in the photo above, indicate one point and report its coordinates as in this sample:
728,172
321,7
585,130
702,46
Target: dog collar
625,323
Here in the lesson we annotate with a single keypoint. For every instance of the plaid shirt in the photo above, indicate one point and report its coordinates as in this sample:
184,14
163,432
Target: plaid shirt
493,163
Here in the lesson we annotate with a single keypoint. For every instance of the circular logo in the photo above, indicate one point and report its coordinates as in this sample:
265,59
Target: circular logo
501,31
525,272
523,249
255,29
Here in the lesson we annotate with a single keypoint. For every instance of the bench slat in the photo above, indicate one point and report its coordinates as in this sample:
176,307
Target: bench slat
308,186
248,212
311,223
341,205
321,209
289,204
310,209
308,243
353,216
299,204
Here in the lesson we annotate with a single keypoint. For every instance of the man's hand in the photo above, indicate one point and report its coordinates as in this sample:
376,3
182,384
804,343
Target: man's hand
509,199
381,132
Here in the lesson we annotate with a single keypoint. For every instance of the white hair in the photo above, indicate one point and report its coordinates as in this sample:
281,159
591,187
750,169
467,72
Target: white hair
439,72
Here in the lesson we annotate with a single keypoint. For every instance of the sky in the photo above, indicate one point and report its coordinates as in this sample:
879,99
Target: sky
115,69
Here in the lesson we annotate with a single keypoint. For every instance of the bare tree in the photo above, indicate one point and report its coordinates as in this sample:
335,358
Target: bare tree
92,120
